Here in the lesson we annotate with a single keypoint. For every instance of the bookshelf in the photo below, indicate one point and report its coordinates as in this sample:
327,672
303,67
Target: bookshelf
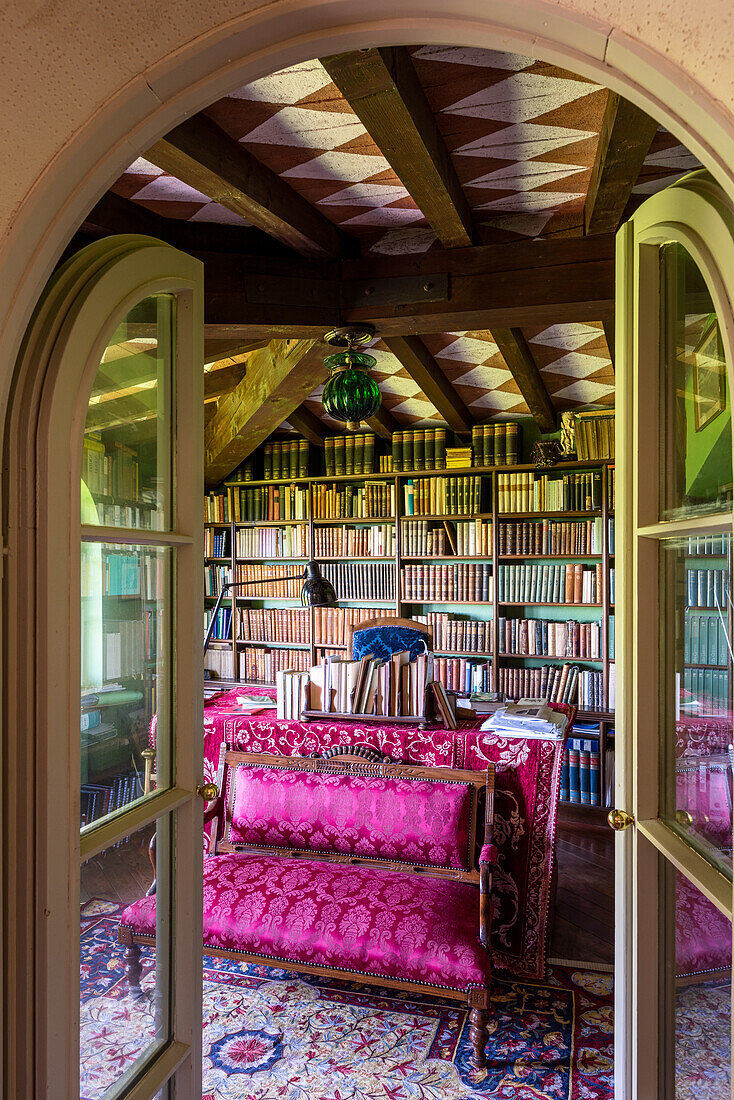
455,592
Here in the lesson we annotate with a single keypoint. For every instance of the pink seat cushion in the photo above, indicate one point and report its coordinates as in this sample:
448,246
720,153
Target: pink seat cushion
421,821
366,920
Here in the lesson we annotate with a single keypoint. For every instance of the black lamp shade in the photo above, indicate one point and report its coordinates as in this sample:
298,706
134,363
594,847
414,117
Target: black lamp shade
317,591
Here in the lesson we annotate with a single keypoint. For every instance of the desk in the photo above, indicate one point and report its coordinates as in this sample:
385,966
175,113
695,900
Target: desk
526,801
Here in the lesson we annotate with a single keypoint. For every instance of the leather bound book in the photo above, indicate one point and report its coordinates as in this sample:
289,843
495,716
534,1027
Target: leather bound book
578,583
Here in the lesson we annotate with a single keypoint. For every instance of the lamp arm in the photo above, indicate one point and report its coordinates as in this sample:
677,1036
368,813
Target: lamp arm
240,584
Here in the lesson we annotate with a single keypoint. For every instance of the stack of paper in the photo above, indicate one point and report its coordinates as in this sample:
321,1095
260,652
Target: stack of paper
527,720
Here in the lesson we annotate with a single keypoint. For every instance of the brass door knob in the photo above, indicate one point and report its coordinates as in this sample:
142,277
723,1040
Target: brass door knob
208,791
619,819
683,818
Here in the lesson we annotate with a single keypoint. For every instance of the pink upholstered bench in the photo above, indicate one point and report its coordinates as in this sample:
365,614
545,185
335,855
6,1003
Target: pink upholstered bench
347,867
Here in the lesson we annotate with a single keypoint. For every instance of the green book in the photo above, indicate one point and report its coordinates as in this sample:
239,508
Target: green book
408,459
267,461
339,455
397,451
500,445
329,455
359,453
277,460
487,444
440,434
293,458
452,496
430,449
419,449
349,454
303,458
477,445
512,431
369,454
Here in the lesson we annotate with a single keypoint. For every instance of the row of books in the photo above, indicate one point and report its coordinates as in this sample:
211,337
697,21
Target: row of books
275,624
580,774
711,546
543,638
362,581
349,454
530,492
595,436
100,799
214,577
424,539
216,542
271,586
262,666
110,469
443,496
272,542
375,500
129,643
551,536
422,449
463,674
462,581
285,458
223,625
220,662
562,583
216,507
394,686
554,683
612,586
473,539
458,635
291,694
706,587
705,639
375,541
270,502
145,515
331,624
611,488
245,471
706,692
496,444
119,573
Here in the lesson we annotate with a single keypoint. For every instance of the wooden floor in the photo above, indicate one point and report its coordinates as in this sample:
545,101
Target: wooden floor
583,928
583,924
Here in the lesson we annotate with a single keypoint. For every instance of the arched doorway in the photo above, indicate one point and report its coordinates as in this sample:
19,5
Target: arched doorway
589,62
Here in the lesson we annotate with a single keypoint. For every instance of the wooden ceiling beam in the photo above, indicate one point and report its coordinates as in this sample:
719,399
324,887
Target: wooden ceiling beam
278,379
519,359
624,141
310,427
382,88
426,373
202,155
223,380
383,423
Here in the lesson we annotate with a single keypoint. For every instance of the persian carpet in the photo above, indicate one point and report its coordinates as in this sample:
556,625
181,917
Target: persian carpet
269,1033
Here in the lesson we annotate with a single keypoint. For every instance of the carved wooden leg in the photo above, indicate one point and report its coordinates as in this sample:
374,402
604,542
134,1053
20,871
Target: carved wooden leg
133,970
479,1035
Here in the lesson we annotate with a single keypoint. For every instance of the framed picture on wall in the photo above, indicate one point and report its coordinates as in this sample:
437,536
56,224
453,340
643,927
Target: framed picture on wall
709,374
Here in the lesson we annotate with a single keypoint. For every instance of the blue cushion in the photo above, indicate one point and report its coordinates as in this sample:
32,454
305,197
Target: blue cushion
382,641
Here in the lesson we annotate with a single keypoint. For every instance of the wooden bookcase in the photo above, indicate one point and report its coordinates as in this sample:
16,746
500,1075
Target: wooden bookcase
400,606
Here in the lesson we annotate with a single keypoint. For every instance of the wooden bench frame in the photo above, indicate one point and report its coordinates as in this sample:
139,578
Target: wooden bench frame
354,761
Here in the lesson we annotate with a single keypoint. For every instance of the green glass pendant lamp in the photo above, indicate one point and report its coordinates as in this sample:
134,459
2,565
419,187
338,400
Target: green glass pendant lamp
351,395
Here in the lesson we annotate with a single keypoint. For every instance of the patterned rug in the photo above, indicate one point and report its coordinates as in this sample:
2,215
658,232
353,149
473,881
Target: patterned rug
270,1034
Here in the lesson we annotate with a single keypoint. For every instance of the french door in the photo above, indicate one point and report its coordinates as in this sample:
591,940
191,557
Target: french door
674,620
116,345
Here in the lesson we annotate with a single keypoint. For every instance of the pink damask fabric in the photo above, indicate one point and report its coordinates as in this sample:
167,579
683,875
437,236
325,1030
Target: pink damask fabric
415,821
301,910
702,933
526,802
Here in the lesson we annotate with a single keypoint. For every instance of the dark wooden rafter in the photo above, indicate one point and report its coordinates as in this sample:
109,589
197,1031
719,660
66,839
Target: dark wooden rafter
383,423
223,379
433,383
624,142
201,154
383,89
278,379
524,369
308,425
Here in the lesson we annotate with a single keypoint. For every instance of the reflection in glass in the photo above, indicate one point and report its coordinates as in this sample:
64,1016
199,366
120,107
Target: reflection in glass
126,671
119,1034
696,650
696,413
126,462
697,979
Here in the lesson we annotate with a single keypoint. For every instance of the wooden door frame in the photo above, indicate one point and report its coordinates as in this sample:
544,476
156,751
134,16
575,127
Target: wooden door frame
692,212
84,304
